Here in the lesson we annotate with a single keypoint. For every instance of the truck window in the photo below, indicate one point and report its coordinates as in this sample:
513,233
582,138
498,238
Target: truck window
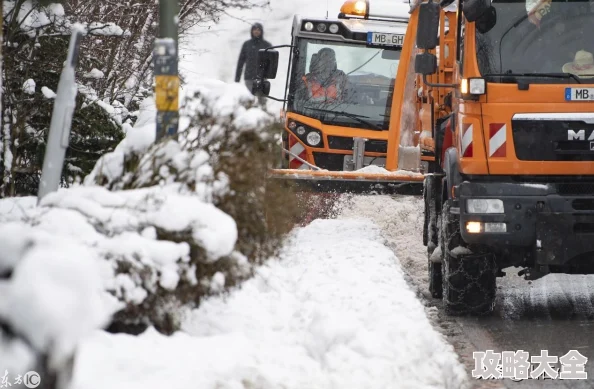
537,36
364,77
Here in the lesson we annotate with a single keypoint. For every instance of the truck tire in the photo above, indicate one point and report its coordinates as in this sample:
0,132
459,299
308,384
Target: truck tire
469,278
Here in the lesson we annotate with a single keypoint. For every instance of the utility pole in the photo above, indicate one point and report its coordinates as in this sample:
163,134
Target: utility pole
1,64
59,133
166,59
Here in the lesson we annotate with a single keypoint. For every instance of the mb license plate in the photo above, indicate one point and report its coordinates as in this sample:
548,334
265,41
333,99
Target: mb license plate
385,39
579,94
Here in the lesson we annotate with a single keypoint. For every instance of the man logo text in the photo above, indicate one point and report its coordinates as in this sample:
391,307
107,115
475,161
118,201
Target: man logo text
580,135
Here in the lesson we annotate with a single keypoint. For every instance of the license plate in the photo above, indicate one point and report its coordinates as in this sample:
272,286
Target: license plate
385,39
579,94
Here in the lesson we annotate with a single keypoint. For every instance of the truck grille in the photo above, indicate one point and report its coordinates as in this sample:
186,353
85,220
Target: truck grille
547,140
344,143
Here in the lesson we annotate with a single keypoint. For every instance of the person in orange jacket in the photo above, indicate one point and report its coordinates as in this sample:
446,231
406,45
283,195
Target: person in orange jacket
324,83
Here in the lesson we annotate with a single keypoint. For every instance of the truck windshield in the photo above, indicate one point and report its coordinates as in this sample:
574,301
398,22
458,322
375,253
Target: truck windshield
345,84
542,41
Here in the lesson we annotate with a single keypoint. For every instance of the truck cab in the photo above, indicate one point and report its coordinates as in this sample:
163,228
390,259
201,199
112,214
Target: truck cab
340,85
514,182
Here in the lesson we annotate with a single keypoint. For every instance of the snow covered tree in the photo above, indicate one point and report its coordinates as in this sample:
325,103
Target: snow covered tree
114,74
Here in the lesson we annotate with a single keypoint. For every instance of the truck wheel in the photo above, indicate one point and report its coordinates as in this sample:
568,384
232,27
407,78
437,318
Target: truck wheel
469,274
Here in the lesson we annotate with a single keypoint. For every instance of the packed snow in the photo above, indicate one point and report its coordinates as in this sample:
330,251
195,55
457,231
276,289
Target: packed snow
48,93
333,311
94,73
29,86
380,170
107,29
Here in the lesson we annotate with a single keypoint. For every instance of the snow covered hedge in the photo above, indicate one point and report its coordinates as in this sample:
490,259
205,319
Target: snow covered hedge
52,297
180,219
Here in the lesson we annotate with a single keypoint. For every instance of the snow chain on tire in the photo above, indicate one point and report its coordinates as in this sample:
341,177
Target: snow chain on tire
469,280
431,237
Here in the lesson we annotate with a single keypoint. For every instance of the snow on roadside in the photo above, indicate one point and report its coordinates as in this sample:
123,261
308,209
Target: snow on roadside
401,220
333,311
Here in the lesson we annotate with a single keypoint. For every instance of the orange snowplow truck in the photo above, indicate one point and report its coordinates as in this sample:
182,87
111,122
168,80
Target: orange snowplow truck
343,126
507,91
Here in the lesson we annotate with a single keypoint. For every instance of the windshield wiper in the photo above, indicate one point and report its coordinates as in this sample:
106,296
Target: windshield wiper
550,75
349,115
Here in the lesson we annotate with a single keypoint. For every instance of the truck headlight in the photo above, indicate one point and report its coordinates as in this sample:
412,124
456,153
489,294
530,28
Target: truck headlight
473,86
477,86
484,206
313,138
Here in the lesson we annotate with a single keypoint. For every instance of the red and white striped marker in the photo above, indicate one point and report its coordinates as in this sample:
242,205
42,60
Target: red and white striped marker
297,149
497,140
466,140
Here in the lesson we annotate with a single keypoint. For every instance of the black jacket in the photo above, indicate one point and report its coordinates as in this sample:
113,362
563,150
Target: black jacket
249,55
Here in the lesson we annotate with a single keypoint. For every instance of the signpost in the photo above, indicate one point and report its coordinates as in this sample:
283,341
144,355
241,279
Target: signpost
166,58
59,133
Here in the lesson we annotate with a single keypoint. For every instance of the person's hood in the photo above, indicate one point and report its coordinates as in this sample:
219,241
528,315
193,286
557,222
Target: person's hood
259,25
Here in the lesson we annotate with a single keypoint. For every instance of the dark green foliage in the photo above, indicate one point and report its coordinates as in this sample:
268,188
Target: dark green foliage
93,131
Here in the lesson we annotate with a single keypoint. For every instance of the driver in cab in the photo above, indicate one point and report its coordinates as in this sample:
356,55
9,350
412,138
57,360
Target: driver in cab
325,83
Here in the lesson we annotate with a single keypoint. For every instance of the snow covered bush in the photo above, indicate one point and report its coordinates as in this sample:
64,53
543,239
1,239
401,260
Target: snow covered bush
180,219
52,297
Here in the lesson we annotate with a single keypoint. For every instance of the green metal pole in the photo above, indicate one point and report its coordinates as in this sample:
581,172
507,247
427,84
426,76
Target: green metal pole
166,60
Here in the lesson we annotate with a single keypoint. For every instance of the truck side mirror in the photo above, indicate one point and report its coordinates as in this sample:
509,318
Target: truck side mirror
260,87
267,63
487,20
428,26
474,9
425,64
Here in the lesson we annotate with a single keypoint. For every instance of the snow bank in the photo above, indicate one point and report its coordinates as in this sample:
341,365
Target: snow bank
52,297
334,311
127,230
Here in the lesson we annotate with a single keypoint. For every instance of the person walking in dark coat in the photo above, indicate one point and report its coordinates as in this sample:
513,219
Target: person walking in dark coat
249,55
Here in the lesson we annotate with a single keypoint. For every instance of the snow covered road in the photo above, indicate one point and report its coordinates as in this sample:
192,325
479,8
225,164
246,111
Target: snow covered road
553,313
333,312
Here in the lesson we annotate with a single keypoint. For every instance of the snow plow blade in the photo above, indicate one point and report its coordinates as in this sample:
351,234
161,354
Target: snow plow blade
353,181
